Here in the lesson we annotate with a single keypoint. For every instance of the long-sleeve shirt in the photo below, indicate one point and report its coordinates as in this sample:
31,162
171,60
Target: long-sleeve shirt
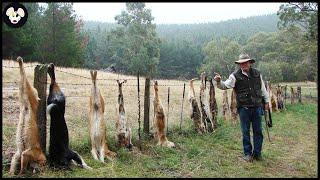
231,81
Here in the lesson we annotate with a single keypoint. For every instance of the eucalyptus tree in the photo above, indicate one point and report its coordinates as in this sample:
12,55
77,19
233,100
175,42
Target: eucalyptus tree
134,46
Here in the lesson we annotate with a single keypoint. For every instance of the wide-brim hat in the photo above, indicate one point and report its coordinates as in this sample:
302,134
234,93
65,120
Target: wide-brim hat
243,57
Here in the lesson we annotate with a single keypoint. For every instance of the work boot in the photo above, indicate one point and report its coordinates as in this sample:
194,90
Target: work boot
247,158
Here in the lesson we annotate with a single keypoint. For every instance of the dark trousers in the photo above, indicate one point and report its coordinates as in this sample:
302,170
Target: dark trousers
250,116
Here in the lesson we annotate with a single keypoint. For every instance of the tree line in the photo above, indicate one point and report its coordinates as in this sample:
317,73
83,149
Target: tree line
284,45
51,34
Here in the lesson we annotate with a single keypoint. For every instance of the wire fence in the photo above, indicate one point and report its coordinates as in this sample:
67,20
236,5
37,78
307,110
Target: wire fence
181,84
101,79
67,86
77,108
75,86
13,67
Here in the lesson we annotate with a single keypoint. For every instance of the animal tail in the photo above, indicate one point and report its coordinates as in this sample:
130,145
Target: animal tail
163,138
93,76
52,107
78,159
20,61
51,73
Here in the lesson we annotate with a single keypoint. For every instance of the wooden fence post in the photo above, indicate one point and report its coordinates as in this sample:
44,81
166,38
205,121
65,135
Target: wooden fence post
168,110
184,89
146,106
292,95
285,94
139,111
225,105
299,93
40,83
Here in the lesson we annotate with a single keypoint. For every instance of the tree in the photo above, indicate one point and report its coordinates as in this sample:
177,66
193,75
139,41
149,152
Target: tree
287,49
90,50
302,15
271,71
288,71
305,17
62,42
179,60
23,41
135,46
220,55
181,52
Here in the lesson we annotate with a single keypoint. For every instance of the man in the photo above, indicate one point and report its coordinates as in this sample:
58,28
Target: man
250,90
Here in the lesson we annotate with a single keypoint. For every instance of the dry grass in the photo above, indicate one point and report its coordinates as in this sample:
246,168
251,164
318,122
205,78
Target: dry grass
77,108
77,98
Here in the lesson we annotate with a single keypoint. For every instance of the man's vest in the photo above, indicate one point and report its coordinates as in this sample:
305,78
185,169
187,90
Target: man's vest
248,88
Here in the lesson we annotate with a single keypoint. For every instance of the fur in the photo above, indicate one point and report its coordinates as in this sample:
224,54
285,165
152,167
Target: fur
60,155
123,136
195,114
273,104
280,97
204,104
27,137
225,105
159,120
97,125
213,105
233,107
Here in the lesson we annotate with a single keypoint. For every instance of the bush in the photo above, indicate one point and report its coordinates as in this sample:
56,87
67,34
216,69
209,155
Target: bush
271,71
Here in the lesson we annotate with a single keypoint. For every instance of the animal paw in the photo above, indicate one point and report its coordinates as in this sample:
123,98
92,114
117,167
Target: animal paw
20,173
87,167
111,154
170,144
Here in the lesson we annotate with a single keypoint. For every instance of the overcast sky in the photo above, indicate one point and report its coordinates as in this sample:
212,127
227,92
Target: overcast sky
178,13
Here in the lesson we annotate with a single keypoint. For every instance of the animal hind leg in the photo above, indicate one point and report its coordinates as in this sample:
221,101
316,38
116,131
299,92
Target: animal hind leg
94,152
32,155
102,154
14,162
26,157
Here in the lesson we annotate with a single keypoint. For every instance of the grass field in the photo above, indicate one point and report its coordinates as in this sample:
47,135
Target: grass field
292,152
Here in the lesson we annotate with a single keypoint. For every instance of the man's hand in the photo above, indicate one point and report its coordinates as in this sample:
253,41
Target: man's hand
266,106
217,77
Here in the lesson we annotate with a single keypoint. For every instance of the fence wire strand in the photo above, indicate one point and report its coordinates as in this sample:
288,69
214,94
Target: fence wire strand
107,79
13,67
